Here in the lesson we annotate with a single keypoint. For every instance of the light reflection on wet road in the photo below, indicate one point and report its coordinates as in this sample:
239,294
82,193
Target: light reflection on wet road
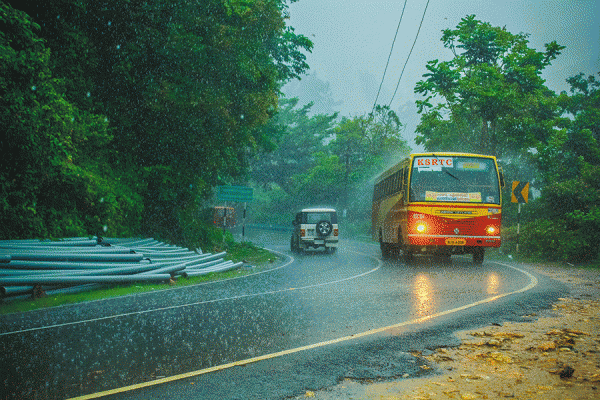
316,298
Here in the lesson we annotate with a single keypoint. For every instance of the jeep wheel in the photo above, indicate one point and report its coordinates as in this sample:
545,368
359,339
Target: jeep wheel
324,228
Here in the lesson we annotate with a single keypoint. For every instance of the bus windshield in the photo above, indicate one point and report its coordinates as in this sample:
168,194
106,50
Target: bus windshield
457,179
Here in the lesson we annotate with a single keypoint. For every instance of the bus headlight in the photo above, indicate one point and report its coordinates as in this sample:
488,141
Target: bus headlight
421,227
491,230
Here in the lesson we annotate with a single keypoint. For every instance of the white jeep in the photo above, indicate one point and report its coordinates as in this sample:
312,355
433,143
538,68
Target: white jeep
315,228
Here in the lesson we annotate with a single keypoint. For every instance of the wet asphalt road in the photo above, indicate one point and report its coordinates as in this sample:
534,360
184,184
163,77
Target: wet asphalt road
299,301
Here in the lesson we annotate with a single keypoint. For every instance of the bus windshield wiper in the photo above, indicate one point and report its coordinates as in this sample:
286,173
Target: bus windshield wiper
445,170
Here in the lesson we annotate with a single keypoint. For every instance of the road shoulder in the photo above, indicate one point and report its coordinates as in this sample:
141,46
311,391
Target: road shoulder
554,357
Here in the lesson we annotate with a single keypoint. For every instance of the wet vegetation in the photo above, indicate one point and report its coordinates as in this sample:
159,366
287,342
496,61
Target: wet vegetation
121,117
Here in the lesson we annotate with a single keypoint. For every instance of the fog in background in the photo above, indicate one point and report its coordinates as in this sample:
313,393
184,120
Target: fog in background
352,41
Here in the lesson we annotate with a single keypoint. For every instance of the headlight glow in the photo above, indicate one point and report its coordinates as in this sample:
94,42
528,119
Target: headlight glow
490,230
421,227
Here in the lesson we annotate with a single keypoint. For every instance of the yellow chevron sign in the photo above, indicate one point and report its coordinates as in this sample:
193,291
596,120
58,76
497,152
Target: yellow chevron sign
520,192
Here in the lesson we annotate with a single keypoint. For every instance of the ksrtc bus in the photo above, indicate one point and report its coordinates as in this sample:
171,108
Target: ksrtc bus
440,204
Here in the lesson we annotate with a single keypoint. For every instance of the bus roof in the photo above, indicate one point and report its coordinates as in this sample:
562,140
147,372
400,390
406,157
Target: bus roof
449,154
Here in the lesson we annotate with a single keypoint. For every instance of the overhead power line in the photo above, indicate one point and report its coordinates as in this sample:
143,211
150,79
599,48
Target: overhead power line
409,53
388,60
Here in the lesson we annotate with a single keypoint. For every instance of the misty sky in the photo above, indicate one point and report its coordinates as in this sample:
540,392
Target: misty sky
352,41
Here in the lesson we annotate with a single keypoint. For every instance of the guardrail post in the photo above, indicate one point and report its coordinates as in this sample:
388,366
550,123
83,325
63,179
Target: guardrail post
38,292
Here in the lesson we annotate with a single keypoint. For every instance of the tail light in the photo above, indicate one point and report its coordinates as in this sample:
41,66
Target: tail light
335,232
302,232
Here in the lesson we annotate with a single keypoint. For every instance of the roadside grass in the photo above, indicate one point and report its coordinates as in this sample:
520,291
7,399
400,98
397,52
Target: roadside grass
256,257
247,252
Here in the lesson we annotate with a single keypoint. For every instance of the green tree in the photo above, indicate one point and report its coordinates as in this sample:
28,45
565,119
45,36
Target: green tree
372,139
52,177
320,162
366,145
296,138
571,156
188,85
279,173
490,98
322,184
584,106
563,223
569,165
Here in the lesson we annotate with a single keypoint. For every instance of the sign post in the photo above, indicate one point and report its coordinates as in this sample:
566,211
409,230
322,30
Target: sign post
239,194
520,195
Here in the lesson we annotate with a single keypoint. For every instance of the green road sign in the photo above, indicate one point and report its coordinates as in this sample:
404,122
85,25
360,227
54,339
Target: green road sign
240,194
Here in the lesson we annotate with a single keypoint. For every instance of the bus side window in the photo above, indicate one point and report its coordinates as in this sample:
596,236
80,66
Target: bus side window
402,176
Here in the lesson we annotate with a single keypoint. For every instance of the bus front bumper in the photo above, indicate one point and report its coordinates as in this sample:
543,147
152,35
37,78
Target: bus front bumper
454,241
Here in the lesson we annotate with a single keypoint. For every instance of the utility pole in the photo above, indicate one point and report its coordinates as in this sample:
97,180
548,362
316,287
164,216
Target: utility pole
347,178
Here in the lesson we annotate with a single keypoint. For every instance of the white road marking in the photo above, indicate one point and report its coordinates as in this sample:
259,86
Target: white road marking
532,283
200,302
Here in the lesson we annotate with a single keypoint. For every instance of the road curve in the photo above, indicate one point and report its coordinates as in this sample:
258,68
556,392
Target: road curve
322,317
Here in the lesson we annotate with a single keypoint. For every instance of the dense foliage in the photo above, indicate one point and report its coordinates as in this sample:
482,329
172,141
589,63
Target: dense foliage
122,115
490,95
490,98
569,177
55,175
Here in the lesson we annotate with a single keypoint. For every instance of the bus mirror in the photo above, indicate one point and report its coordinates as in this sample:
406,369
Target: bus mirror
501,173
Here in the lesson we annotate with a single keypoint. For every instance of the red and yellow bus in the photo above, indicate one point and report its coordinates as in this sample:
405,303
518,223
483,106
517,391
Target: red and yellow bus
439,203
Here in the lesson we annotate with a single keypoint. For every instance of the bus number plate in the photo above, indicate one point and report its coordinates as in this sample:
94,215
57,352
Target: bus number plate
456,242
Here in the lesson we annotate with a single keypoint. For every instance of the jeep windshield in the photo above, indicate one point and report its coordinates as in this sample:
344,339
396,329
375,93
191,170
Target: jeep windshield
314,217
